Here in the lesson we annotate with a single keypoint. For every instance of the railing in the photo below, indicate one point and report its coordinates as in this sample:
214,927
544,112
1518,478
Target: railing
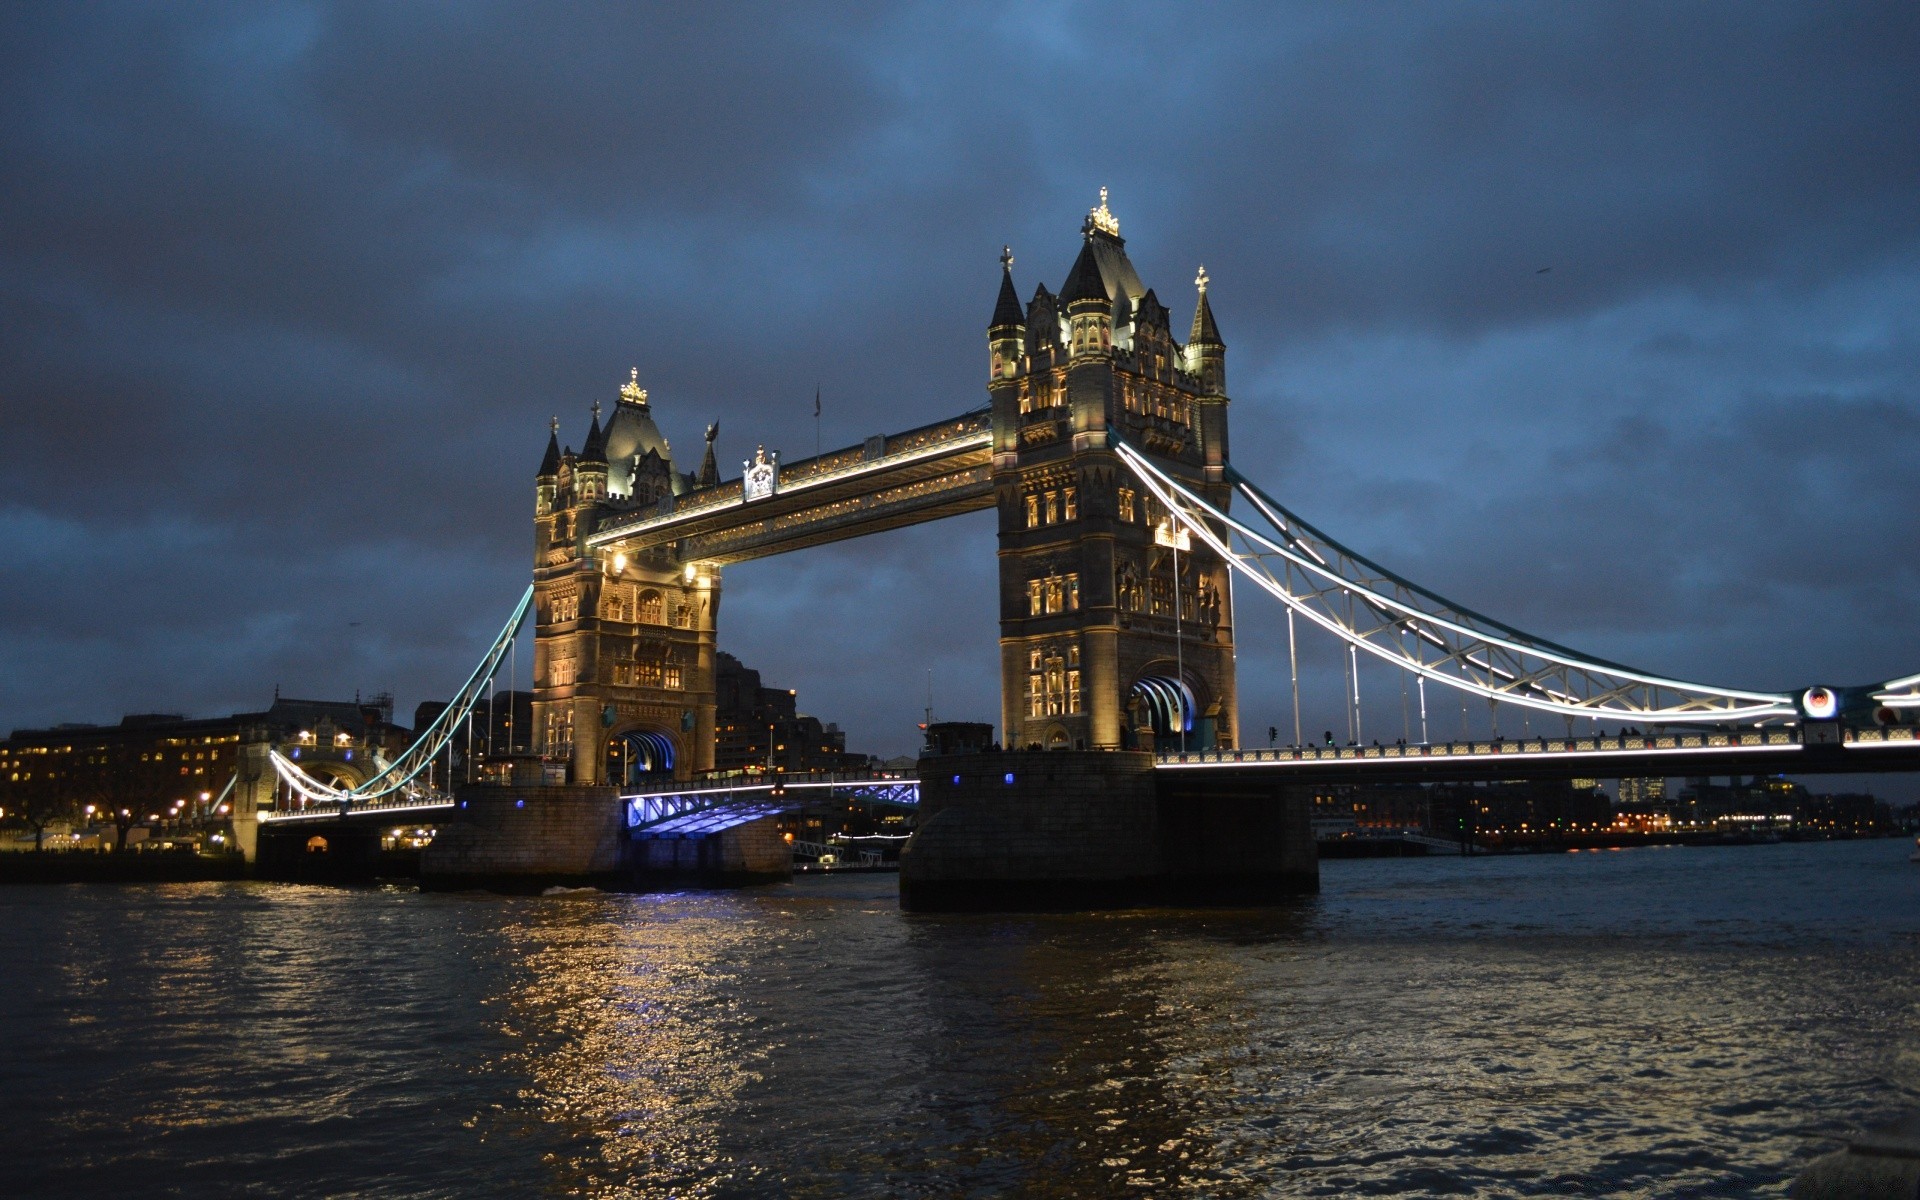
334,810
1679,744
679,809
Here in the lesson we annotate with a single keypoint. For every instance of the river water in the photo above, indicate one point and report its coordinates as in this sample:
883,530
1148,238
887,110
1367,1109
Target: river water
1651,1022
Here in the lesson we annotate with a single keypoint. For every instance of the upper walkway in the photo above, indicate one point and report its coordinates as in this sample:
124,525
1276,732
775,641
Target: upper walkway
937,470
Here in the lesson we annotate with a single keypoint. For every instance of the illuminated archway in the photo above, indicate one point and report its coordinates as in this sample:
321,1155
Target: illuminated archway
639,756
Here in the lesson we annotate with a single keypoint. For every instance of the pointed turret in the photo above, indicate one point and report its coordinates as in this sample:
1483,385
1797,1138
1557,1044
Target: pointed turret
1007,310
1008,331
1084,282
709,466
550,464
595,449
1206,353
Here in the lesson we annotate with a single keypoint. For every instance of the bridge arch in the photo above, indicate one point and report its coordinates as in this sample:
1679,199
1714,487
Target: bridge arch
638,753
1175,704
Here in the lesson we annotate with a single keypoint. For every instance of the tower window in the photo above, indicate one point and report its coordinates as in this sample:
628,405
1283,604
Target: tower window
1126,504
1053,507
1070,503
1033,511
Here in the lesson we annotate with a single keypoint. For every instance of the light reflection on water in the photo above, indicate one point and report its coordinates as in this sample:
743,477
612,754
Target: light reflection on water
1650,1023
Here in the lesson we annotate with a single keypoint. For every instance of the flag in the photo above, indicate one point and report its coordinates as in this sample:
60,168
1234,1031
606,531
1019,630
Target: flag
816,402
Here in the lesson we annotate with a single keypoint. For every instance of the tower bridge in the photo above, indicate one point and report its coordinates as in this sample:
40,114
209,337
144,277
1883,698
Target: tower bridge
1122,519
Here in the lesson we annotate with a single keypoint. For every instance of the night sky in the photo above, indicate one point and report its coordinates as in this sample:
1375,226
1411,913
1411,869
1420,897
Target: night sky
1604,320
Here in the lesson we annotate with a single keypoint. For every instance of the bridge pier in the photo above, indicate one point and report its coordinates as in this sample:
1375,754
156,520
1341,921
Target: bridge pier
1041,830
525,838
521,838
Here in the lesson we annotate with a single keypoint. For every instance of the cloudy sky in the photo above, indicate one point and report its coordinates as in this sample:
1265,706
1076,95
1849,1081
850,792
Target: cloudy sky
289,291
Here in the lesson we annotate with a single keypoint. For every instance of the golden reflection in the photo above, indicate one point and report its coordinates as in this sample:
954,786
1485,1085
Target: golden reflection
633,1036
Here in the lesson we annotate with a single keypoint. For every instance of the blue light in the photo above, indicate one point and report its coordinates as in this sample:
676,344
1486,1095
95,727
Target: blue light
519,803
956,781
463,804
1009,776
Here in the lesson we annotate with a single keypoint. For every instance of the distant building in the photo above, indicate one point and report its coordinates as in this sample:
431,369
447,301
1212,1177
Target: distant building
150,763
1637,791
757,728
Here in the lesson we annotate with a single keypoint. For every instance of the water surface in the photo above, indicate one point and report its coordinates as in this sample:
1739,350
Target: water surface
1657,1022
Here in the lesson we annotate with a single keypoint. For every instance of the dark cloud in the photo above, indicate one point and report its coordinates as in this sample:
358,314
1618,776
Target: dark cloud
289,290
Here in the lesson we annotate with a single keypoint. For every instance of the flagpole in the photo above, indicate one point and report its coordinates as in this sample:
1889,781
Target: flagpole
816,420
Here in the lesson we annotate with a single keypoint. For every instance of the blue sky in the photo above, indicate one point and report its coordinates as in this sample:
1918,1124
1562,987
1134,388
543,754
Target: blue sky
288,292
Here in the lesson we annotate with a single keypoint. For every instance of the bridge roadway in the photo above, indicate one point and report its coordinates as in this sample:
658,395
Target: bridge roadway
1830,751
684,810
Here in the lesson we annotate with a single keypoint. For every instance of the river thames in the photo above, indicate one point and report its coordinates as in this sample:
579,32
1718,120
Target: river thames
1652,1022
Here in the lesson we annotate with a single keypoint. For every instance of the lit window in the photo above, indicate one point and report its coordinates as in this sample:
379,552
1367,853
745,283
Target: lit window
1126,504
1033,511
1053,507
1070,502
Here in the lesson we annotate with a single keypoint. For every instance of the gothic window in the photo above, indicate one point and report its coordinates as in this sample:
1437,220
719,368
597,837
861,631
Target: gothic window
617,604
1126,504
1162,589
1053,507
682,616
566,607
672,676
1053,594
1033,659
1053,685
1033,511
1070,503
564,670
652,608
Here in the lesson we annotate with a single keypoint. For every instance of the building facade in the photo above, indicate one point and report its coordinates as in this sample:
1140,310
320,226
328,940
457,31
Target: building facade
623,645
1116,628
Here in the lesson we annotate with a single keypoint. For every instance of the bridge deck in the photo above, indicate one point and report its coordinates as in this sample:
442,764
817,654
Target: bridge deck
1756,752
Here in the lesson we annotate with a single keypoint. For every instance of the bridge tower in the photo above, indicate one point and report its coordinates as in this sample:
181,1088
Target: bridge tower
623,672
1115,629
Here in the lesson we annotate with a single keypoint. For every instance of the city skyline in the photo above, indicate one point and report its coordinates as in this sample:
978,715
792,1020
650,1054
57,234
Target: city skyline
293,306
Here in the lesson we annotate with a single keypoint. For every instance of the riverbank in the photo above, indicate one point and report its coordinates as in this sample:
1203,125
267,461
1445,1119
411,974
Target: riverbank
131,867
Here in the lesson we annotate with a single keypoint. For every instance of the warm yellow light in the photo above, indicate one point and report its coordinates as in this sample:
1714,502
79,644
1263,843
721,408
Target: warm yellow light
619,563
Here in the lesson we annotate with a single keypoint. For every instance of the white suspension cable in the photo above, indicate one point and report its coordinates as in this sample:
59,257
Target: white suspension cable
1494,660
400,774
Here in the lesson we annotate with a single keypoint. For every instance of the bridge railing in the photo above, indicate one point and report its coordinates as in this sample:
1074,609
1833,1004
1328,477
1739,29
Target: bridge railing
1485,747
332,810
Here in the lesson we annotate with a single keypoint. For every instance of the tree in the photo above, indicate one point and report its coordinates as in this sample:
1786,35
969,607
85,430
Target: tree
40,801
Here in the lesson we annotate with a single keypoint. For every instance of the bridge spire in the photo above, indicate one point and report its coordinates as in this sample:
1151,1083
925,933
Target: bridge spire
595,449
1206,353
550,465
1007,311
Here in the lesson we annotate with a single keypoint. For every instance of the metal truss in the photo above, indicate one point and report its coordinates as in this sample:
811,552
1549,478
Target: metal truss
397,780
707,810
1399,622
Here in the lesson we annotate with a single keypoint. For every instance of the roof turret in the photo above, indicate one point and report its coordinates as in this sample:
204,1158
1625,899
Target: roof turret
595,449
1007,310
550,465
1084,281
709,466
1205,332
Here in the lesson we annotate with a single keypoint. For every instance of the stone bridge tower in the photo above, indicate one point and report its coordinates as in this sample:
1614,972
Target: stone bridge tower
623,647
1115,631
